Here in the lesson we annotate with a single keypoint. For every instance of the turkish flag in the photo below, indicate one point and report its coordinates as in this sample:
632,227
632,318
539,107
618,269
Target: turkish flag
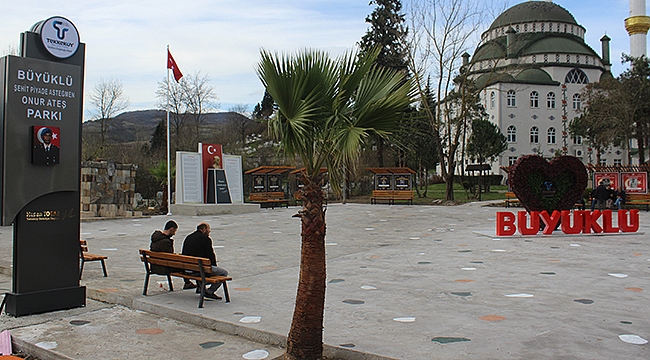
171,64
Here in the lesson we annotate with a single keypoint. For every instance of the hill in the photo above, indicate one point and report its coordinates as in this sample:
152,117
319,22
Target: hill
140,125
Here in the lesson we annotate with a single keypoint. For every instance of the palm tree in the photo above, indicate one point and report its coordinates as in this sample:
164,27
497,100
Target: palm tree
326,109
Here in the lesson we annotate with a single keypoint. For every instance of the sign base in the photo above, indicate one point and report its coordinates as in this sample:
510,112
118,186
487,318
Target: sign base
45,301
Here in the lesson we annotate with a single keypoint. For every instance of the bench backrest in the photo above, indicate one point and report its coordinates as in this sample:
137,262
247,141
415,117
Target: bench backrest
267,195
176,261
637,197
83,244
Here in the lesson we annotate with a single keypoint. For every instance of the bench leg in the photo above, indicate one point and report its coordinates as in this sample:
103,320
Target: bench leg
104,268
169,281
146,284
202,295
81,268
225,291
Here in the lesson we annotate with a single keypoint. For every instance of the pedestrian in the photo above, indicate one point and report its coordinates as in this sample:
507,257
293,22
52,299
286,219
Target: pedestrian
162,241
620,198
602,194
199,244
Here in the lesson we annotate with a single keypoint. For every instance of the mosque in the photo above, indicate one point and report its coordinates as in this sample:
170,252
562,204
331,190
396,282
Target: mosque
532,65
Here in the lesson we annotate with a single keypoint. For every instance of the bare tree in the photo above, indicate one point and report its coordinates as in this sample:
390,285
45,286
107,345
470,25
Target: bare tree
200,98
11,49
187,102
107,99
441,31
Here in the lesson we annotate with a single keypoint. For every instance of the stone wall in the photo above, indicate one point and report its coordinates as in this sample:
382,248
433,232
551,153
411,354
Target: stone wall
107,189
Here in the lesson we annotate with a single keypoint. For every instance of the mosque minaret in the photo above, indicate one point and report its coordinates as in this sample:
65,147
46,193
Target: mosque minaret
637,26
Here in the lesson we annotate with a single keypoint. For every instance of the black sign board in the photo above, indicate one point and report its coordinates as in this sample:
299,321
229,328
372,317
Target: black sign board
217,189
40,117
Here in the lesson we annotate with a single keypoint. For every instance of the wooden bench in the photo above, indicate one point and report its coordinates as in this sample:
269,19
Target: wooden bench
638,199
266,199
511,199
200,268
85,256
392,195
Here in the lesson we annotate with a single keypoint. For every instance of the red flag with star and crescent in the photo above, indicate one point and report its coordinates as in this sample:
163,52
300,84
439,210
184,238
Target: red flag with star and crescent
171,64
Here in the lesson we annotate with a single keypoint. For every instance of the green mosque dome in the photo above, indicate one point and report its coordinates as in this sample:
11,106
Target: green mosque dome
533,11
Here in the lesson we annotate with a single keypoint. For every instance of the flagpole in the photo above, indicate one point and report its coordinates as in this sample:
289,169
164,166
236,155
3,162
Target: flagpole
169,194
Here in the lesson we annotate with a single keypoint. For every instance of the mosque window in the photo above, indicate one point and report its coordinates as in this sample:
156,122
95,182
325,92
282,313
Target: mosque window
512,133
551,135
558,27
534,28
534,59
550,100
568,58
565,27
557,58
534,99
577,59
571,29
511,98
492,100
542,27
534,135
512,160
576,102
545,58
577,140
517,28
525,27
576,76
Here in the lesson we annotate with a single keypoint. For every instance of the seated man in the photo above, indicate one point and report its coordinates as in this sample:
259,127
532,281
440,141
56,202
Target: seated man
162,241
199,244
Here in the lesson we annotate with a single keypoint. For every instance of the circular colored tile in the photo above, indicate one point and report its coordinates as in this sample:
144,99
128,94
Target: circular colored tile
549,273
256,355
626,322
348,345
211,344
375,257
424,262
407,319
335,281
109,290
79,322
152,331
637,254
492,318
242,289
448,340
633,339
462,294
618,275
354,302
368,287
635,289
250,319
520,295
463,281
584,301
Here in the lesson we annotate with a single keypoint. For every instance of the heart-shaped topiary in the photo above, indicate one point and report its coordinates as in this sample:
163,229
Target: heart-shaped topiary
541,185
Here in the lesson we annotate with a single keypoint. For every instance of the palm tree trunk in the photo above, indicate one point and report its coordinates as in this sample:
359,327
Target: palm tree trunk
305,339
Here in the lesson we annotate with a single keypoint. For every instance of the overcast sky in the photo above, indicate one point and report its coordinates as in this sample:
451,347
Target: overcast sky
126,39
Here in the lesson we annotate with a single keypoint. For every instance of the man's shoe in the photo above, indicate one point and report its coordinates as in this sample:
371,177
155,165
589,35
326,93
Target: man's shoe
212,296
189,286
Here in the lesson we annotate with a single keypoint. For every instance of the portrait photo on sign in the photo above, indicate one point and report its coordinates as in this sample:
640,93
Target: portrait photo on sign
46,142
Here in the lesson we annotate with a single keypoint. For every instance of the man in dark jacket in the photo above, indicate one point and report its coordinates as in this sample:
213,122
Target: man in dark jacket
199,244
602,194
162,241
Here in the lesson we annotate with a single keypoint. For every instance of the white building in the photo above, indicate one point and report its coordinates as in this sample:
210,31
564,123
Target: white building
532,64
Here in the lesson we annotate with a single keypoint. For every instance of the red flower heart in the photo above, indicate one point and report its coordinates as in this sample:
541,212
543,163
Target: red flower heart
541,185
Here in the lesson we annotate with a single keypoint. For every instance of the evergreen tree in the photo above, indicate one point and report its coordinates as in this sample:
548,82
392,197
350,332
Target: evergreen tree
264,109
388,31
159,138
